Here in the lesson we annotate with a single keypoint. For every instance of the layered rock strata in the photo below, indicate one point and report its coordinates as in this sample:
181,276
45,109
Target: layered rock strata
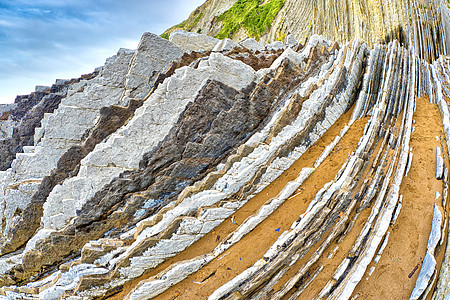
19,121
58,132
114,85
421,24
166,146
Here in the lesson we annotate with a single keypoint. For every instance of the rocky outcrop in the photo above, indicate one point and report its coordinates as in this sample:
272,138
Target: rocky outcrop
58,132
154,177
18,123
193,41
114,85
421,24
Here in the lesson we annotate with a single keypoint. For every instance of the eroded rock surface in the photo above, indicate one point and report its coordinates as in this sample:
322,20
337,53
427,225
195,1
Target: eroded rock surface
57,134
425,22
18,123
193,41
176,146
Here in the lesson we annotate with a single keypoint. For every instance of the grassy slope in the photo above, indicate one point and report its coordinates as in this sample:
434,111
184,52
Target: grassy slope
188,24
248,14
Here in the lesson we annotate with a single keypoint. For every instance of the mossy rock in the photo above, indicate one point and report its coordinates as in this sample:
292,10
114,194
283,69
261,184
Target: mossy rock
250,15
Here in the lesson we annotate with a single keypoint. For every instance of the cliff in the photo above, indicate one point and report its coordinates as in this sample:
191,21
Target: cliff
201,168
415,23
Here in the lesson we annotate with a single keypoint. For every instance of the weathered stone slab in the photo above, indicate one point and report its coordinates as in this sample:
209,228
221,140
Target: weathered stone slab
439,163
426,272
251,44
193,41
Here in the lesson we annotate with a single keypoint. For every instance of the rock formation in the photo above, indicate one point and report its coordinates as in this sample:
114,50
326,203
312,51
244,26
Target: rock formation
20,120
421,24
227,169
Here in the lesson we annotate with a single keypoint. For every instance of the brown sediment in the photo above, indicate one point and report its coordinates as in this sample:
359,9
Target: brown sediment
339,249
101,213
256,243
329,264
255,60
409,236
5,116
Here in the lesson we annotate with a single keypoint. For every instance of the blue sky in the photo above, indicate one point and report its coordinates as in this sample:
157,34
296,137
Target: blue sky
42,40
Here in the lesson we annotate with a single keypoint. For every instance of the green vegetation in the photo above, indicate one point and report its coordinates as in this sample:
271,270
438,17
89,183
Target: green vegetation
195,22
187,25
281,36
165,35
181,25
249,14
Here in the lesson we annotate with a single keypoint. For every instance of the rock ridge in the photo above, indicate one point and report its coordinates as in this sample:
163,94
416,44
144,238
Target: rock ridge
155,175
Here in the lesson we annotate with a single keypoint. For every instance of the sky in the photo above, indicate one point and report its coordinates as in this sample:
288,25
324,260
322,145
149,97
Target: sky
44,40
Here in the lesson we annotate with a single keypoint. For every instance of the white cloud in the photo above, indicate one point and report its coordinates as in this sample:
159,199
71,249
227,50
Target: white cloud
5,23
